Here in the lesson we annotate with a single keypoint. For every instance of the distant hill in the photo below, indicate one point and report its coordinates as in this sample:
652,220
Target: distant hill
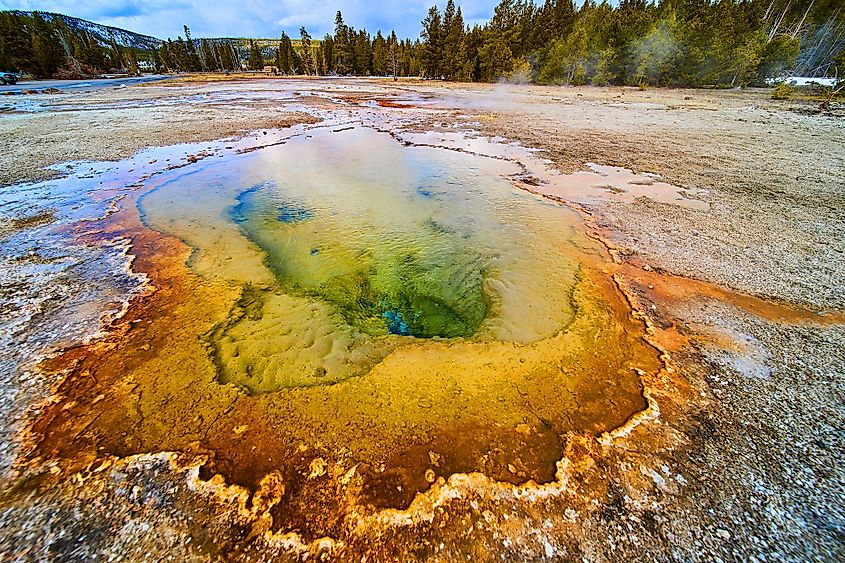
103,33
266,45
126,38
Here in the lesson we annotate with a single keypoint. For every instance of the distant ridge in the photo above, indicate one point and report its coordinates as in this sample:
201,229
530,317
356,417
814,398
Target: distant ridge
103,33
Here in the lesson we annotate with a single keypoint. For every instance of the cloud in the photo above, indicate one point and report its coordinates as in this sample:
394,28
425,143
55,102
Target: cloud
251,18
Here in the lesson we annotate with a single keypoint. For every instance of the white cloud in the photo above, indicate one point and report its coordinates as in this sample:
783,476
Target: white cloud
250,18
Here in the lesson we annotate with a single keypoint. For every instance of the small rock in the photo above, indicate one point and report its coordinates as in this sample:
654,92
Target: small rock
434,458
430,476
647,268
318,468
723,534
192,159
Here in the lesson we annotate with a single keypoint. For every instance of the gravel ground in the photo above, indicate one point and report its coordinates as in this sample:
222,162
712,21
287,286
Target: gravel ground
111,125
742,461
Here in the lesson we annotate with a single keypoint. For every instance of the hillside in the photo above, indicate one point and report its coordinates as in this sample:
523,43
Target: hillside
103,33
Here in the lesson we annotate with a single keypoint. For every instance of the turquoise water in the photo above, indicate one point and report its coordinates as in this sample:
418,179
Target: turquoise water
414,278
349,244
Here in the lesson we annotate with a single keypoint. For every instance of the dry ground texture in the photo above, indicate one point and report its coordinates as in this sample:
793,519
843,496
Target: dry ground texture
739,457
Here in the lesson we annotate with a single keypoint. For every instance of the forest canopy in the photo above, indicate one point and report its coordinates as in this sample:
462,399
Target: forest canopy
664,43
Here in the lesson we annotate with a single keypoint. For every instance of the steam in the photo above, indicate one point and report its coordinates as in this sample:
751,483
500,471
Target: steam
653,57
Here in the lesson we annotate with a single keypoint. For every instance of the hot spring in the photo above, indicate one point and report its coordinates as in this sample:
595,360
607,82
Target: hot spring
339,309
349,245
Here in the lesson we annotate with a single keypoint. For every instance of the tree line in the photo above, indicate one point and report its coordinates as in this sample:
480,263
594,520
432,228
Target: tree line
637,42
665,43
189,55
44,49
346,52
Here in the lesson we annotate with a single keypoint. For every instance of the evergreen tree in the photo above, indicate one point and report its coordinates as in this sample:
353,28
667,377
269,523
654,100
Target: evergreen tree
207,58
47,50
448,16
496,57
283,59
165,55
181,55
132,62
432,46
158,61
307,55
342,49
663,42
474,44
380,55
328,54
255,61
193,58
295,61
115,55
363,54
319,60
454,48
393,50
227,56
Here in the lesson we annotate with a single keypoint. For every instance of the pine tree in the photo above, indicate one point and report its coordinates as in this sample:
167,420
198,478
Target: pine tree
393,49
319,61
454,49
295,61
165,54
496,57
15,43
448,16
181,54
193,59
132,62
158,61
255,61
307,56
47,50
342,49
116,55
227,57
380,55
328,54
432,46
207,58
283,62
363,62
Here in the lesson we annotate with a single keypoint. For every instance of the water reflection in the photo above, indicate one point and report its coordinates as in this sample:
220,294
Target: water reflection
351,243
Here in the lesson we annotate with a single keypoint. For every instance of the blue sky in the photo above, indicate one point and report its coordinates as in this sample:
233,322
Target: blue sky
252,18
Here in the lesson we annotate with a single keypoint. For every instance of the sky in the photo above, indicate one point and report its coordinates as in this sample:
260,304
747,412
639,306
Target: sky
252,18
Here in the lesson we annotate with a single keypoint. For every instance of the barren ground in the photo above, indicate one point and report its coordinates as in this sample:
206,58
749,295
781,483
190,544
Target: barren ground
739,456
